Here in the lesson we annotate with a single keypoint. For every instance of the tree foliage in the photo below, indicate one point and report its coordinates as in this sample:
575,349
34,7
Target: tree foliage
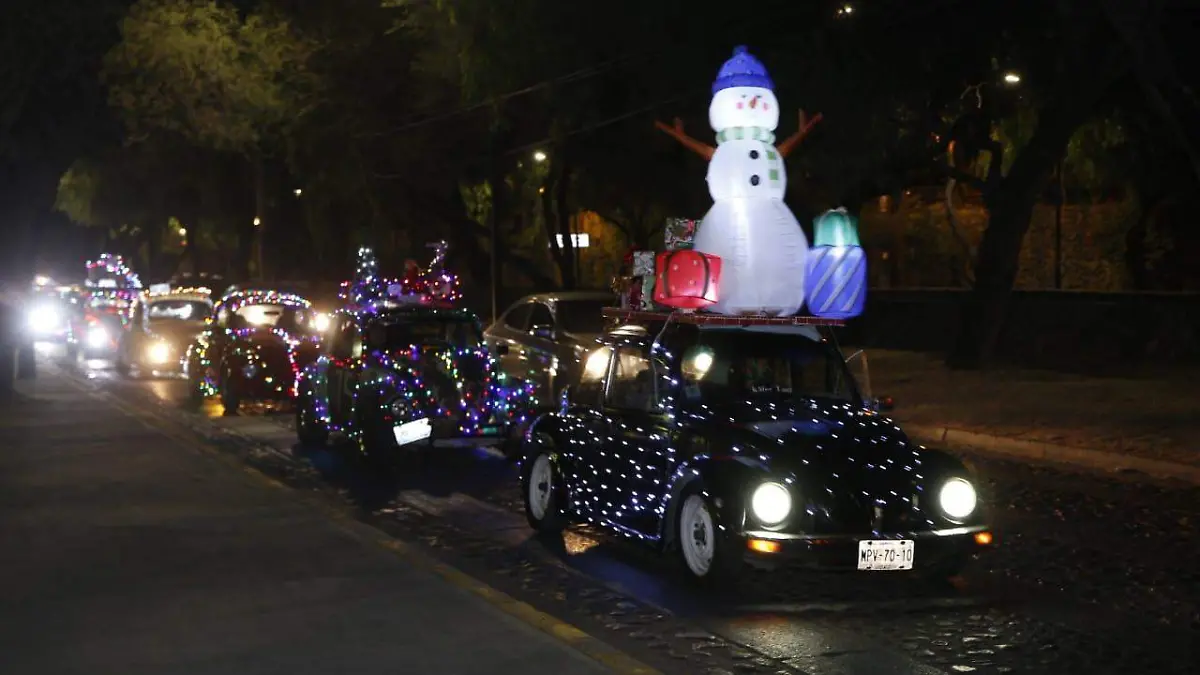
200,69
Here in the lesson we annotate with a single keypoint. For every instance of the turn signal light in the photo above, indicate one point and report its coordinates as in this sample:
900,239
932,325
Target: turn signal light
764,546
983,538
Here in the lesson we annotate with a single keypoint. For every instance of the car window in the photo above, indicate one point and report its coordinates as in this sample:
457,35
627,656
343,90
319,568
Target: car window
581,316
344,341
632,384
591,380
518,317
540,315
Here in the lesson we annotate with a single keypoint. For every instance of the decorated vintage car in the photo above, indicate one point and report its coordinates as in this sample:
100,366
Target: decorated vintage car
109,293
404,368
734,440
253,346
163,323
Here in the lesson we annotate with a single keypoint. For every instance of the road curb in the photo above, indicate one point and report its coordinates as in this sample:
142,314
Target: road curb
959,439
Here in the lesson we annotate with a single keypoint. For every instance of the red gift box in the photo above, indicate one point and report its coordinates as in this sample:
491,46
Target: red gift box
687,279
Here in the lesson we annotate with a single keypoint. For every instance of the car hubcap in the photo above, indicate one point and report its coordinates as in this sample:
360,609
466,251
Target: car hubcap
696,535
540,477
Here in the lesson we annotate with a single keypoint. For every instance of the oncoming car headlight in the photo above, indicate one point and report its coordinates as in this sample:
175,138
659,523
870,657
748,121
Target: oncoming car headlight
321,322
158,353
771,503
957,498
97,336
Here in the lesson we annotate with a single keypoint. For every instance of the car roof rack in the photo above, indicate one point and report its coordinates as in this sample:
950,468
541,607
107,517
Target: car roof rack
647,316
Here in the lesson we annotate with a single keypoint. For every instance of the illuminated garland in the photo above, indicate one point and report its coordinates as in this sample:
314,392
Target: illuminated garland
252,357
403,382
432,285
115,265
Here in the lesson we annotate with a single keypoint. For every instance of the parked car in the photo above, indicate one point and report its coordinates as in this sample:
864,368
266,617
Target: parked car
732,444
253,347
405,377
545,335
163,323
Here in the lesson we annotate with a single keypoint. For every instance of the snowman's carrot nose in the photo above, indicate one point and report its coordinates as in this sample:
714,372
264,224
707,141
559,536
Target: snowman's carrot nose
754,102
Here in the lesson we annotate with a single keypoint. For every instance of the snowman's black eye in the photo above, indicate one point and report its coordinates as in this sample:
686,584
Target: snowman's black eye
754,179
753,154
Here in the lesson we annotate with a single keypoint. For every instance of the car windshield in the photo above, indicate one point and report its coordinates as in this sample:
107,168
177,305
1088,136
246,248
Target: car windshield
401,333
581,316
179,310
724,365
285,317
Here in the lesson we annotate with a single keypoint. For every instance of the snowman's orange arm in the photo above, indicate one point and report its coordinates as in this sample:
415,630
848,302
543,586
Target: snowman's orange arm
806,125
704,150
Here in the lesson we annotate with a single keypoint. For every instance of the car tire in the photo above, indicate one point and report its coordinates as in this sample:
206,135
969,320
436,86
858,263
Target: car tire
708,556
543,494
311,431
231,398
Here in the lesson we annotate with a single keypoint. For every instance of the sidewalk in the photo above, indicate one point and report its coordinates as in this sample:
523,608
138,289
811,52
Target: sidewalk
1139,421
126,552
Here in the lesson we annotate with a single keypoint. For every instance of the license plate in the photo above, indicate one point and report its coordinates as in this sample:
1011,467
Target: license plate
885,554
410,432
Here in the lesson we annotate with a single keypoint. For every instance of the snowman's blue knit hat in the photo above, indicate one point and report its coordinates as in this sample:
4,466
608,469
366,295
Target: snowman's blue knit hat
742,70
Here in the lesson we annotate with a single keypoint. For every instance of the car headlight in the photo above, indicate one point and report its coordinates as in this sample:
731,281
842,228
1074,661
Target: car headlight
957,498
771,503
158,353
321,322
43,319
97,336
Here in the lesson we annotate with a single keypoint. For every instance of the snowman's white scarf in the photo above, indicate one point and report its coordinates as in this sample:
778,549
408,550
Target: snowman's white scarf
746,133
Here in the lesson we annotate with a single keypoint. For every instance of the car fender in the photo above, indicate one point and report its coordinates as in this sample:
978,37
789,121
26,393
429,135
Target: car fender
725,477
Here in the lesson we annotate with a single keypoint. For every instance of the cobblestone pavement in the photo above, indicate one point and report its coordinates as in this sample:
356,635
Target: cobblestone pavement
1093,574
1149,414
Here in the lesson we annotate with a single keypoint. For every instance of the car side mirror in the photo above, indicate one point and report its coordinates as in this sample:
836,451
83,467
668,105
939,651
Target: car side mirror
501,350
542,331
884,404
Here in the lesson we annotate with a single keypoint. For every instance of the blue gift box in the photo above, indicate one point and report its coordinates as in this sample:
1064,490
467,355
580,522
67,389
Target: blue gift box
837,268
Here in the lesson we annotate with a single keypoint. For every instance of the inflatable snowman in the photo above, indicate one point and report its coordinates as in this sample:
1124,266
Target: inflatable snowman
762,248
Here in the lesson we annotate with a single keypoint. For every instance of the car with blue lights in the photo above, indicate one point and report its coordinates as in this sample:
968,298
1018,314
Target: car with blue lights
162,324
733,442
253,347
405,374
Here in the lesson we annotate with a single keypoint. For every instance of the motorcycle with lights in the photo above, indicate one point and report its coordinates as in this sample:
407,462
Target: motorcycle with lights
734,444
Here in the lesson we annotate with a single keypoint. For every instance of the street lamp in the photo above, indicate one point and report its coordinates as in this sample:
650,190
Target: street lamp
257,221
845,9
539,156
183,231
1012,78
298,191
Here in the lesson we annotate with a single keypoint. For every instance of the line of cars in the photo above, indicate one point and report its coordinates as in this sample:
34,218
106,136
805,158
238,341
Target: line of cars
729,444
723,443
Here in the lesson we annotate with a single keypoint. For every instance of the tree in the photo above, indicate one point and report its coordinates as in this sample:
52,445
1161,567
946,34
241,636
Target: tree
224,81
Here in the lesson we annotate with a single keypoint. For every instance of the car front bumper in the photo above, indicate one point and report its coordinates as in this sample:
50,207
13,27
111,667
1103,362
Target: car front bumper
931,549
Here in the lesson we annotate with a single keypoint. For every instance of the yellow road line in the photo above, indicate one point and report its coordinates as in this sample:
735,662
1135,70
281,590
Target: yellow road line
611,657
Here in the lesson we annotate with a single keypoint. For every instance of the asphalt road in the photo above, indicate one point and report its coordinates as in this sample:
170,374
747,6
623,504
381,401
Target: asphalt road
1092,574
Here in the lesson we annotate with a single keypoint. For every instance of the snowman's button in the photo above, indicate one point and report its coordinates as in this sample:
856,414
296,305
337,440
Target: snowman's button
754,179
753,154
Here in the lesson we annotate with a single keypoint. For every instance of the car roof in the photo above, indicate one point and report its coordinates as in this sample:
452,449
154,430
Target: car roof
558,296
405,311
644,335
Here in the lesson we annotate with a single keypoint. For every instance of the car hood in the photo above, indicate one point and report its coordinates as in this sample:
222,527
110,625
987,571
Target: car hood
830,445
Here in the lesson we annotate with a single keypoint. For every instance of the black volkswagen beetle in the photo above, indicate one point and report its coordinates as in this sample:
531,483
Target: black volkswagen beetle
735,444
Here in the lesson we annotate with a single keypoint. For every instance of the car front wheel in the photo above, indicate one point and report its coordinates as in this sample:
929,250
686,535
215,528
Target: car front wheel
708,555
543,495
